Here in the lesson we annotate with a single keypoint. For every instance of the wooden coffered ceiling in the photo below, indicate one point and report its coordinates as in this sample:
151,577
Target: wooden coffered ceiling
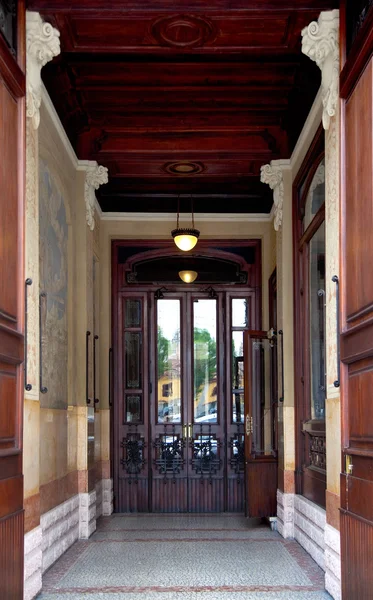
181,97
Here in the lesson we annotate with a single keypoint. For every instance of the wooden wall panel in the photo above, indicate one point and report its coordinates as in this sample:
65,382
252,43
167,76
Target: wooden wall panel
11,562
261,505
357,325
12,169
8,207
359,178
357,557
8,408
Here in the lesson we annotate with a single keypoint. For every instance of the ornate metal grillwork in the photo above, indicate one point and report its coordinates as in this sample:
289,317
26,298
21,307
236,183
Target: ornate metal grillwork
169,454
237,458
317,452
133,460
205,449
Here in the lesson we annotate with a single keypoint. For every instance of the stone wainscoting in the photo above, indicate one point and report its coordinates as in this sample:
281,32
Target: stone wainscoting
59,528
305,521
87,514
99,499
33,562
333,562
107,497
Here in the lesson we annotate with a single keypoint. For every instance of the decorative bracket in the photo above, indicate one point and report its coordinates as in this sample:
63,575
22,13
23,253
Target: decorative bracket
42,44
95,176
320,42
272,175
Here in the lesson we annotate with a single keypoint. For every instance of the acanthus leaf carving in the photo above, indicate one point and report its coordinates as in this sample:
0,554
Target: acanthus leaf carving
96,175
272,175
320,42
42,44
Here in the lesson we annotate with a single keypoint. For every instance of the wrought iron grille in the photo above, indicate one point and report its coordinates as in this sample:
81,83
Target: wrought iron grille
317,452
133,460
237,454
169,454
205,454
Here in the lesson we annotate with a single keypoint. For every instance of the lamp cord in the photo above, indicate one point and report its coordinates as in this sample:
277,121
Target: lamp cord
178,210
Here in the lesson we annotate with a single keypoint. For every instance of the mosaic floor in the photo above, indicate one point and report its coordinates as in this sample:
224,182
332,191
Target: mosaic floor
191,557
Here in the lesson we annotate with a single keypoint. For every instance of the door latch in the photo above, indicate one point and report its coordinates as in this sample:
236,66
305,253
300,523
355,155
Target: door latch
348,464
249,425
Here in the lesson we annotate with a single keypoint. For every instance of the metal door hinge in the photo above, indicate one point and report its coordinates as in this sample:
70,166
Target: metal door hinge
348,464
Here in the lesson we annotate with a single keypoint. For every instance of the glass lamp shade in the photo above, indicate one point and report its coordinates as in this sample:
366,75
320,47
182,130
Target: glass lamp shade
185,239
188,276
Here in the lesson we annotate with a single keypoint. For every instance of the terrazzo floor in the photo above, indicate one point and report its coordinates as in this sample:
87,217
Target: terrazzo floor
190,557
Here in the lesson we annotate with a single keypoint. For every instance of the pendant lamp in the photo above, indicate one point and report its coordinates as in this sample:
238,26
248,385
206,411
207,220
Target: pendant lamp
185,238
188,276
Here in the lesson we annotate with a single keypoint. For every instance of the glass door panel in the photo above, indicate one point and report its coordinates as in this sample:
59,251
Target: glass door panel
205,388
170,463
168,361
205,431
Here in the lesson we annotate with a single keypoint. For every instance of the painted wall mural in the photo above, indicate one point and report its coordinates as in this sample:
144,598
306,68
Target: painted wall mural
53,248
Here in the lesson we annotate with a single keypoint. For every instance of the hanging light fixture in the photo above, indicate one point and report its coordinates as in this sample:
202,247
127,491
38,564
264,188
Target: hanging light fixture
185,238
188,276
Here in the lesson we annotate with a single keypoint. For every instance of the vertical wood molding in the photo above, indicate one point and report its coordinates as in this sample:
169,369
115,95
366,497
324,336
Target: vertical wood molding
11,555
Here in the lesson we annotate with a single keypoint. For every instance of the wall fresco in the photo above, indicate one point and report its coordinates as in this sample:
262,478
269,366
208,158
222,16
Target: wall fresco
53,247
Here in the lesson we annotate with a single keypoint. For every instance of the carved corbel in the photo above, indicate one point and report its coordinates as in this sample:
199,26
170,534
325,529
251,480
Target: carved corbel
320,42
272,175
95,176
42,44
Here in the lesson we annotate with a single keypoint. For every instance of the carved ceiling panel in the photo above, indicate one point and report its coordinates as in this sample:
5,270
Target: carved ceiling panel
182,96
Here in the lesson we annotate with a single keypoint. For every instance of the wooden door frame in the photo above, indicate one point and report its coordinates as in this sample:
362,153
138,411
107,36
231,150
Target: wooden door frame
206,247
302,373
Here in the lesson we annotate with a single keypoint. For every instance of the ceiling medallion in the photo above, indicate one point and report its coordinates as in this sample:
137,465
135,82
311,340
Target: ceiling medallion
184,168
182,31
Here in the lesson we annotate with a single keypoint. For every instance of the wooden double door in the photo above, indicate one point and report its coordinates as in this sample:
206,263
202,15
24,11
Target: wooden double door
180,421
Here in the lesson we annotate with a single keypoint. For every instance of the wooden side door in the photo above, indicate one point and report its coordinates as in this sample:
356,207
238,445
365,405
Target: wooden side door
260,455
12,168
357,339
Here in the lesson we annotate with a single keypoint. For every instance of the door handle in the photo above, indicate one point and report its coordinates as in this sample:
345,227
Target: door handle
249,425
188,431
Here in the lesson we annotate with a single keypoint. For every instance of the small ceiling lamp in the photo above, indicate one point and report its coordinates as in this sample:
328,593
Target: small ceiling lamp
185,238
188,276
